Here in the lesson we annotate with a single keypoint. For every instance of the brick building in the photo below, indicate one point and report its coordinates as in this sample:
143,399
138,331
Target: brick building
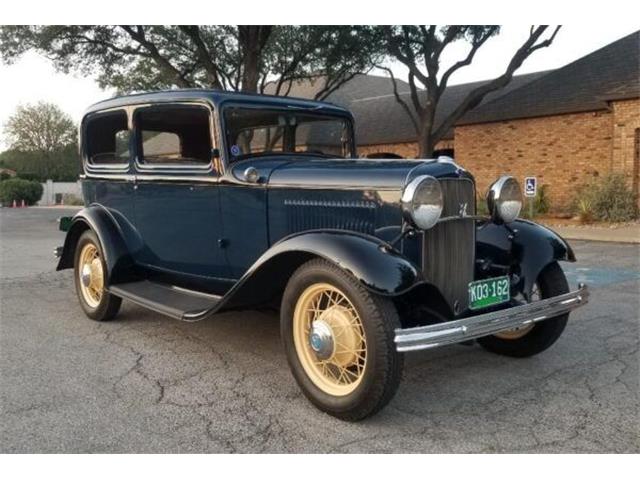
563,126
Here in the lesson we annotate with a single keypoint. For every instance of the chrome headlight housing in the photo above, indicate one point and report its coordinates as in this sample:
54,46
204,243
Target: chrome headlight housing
422,201
504,199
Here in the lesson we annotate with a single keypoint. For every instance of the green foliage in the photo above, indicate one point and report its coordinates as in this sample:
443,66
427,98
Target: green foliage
541,202
19,189
226,57
607,199
42,127
481,206
62,165
71,199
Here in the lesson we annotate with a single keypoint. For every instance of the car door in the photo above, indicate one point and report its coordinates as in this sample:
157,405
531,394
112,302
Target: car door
177,199
107,181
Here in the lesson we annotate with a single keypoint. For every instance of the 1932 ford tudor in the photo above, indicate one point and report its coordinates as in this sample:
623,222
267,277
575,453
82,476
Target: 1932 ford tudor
201,201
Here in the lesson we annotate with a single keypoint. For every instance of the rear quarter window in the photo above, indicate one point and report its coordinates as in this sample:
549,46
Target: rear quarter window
107,139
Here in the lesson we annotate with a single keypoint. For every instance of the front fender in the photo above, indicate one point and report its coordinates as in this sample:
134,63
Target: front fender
371,261
526,247
111,236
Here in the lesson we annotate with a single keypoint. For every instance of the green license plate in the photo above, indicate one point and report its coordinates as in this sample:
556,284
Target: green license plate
485,293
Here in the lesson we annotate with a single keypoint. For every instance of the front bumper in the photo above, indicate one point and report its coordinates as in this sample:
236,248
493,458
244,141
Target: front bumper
447,333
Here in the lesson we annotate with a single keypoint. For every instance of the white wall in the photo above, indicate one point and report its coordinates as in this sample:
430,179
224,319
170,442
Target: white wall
50,188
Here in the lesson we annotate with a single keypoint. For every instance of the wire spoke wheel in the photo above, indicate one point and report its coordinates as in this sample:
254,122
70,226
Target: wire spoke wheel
329,339
91,275
519,332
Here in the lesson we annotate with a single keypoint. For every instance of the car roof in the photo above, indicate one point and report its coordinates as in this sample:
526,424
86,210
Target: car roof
215,97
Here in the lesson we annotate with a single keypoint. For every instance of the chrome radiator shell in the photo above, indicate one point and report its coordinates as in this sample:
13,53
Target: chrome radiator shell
448,249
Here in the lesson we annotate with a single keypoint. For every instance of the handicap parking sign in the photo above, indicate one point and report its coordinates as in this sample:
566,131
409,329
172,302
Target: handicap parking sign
530,185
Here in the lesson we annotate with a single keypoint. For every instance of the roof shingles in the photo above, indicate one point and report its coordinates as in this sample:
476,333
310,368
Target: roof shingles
611,73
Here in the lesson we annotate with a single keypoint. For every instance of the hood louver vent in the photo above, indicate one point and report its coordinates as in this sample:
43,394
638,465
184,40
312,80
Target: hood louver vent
344,215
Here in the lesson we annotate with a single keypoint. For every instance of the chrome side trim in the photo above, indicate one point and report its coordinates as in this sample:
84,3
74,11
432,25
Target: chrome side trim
127,177
447,333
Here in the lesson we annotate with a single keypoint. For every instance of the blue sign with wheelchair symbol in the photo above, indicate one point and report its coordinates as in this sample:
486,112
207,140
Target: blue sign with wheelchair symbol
530,186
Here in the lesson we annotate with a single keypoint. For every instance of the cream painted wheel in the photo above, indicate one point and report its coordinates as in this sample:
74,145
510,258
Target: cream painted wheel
91,275
329,339
339,340
519,332
90,278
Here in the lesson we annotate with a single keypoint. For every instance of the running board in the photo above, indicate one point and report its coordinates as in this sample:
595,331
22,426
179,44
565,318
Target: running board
169,300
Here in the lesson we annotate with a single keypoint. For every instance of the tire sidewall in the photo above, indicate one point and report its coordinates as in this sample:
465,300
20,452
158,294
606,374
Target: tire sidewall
551,282
299,282
99,312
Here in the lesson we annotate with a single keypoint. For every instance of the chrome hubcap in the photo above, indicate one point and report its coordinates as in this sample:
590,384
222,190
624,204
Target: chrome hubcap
85,275
321,340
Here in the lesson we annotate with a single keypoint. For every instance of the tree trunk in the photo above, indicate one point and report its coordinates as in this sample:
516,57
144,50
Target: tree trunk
425,146
252,39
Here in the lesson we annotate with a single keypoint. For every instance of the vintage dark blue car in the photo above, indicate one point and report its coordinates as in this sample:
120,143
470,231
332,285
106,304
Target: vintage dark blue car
203,201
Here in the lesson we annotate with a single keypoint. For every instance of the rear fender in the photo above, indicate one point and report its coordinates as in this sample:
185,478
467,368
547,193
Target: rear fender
111,235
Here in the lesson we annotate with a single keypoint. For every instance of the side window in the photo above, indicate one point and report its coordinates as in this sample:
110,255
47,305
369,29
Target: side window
107,139
174,135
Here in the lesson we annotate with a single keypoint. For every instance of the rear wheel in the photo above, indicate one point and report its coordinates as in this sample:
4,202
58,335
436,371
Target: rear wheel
533,338
339,341
89,274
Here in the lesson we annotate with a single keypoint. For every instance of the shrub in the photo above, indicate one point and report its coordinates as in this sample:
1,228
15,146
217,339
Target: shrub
19,189
541,203
607,199
71,199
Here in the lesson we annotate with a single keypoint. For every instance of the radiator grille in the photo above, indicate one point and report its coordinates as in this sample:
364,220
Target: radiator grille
449,248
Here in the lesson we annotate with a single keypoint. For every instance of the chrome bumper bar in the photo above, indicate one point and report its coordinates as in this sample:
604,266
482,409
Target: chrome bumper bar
456,331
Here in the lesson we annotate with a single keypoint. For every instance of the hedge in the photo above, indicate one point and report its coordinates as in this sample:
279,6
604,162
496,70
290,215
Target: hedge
19,189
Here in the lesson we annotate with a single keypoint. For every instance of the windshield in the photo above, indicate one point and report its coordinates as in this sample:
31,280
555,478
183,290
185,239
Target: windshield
253,132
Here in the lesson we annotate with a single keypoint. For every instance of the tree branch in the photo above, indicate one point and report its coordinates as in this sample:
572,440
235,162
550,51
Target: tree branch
204,55
138,35
401,101
476,96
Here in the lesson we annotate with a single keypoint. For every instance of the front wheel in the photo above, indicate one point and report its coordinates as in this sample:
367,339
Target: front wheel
339,341
533,338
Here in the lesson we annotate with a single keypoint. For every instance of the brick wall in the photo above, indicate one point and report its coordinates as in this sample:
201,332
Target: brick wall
405,150
562,151
626,133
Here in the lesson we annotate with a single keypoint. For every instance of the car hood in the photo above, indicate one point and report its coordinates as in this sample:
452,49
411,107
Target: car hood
356,173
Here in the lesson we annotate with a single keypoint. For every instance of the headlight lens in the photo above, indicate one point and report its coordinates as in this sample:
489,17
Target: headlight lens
422,201
504,199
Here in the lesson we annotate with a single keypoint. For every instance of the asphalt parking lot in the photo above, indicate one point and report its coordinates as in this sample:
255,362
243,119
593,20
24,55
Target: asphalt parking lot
145,383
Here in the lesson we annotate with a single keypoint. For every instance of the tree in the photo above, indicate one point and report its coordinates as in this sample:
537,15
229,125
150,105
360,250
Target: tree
42,142
242,58
42,128
420,49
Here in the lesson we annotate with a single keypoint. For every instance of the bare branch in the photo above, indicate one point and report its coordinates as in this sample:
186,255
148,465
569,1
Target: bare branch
476,96
400,100
475,46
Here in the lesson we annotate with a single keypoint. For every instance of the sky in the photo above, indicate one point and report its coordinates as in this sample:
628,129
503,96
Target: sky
33,78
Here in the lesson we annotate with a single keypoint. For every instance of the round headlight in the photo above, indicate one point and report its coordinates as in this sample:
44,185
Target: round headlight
504,199
422,201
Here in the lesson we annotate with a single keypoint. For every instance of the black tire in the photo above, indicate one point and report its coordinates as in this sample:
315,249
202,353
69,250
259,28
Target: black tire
379,318
109,304
551,282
